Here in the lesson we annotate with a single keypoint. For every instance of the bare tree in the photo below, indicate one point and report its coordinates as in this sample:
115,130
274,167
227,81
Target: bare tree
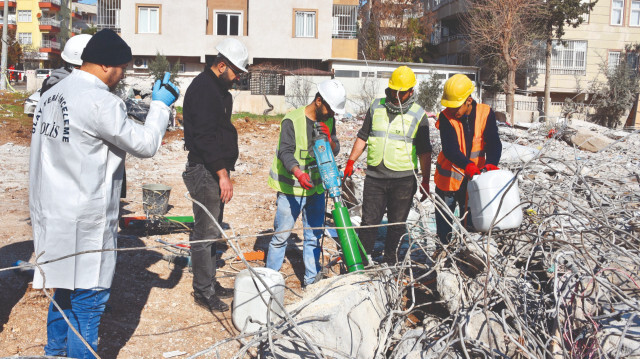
300,91
504,29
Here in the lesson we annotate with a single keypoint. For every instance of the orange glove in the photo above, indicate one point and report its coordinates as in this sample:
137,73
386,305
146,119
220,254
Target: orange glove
490,167
424,189
303,178
325,129
471,170
348,170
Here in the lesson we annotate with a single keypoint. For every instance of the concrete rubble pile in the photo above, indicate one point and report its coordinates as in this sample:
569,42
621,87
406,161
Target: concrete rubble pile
566,283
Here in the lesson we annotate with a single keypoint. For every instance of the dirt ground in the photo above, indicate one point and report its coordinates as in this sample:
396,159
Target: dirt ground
151,309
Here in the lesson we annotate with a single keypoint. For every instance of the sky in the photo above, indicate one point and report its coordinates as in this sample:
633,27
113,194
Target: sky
88,1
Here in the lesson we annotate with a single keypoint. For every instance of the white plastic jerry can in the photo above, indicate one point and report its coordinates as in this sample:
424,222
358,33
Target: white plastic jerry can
494,192
251,299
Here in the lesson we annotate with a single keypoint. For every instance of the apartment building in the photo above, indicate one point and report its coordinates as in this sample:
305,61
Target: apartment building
576,62
42,28
285,38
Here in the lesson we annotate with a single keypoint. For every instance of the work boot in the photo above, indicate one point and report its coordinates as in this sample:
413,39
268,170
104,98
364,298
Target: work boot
212,304
222,292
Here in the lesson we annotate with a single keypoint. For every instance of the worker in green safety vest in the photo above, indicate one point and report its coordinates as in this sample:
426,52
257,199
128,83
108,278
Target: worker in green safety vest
396,132
298,181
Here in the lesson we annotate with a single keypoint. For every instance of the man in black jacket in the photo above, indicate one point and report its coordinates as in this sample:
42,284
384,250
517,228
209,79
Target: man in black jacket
212,142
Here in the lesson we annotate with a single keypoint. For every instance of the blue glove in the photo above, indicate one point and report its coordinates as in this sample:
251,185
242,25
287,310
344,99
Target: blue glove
165,91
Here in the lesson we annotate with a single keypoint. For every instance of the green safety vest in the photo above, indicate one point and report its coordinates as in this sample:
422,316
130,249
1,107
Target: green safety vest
282,180
393,141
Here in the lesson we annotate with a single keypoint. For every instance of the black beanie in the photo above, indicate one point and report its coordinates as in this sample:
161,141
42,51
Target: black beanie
107,48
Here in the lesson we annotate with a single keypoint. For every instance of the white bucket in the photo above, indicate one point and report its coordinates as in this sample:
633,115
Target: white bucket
251,298
486,191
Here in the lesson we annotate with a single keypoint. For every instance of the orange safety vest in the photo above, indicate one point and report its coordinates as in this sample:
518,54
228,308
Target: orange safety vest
448,177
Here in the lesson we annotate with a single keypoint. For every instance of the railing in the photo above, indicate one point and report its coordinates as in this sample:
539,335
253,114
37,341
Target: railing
535,104
57,2
47,21
76,30
345,22
50,44
454,37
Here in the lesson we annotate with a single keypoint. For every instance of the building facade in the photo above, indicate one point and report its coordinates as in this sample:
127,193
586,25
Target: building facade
577,61
43,27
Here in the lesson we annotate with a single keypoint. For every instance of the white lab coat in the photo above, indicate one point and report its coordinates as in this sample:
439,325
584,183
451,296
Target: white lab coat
80,137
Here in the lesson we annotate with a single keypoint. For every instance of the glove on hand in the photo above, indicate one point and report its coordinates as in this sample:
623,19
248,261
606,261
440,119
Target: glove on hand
471,170
348,170
165,91
303,178
325,130
424,189
490,167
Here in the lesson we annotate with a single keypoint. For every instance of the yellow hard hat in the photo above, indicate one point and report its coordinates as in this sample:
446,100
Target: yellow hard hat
456,91
402,79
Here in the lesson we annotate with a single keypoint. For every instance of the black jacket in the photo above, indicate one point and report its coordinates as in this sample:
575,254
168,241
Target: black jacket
209,136
449,139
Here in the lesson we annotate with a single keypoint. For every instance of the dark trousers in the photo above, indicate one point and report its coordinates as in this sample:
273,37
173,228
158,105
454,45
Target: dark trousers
204,188
451,198
393,195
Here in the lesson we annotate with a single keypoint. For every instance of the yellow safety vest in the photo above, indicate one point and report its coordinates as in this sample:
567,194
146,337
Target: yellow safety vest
393,141
282,180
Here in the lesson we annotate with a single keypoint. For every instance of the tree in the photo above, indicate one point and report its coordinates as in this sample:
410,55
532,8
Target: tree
395,30
14,53
429,93
614,98
503,29
91,30
557,14
160,65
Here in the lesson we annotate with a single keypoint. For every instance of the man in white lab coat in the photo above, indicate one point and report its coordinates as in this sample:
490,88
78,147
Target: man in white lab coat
80,137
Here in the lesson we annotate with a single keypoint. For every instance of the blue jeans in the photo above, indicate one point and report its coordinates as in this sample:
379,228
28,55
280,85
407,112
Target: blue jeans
84,308
289,208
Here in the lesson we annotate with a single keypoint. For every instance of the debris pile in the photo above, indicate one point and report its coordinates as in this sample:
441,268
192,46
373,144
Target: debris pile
566,283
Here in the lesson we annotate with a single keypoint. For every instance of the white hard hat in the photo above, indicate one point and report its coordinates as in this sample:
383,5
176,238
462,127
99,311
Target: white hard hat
334,94
73,49
234,51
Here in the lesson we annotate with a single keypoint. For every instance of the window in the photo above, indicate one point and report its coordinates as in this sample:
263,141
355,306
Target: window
617,12
384,74
148,20
567,58
305,24
368,74
229,23
347,73
24,38
24,15
634,20
345,21
614,59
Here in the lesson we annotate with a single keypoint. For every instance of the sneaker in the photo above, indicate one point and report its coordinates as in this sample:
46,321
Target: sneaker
222,292
213,303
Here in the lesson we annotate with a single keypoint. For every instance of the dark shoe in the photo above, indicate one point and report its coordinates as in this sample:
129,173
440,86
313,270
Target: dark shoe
213,303
222,292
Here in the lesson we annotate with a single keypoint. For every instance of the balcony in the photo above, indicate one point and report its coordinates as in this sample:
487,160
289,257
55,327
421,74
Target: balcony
49,25
76,30
11,20
50,46
11,4
50,5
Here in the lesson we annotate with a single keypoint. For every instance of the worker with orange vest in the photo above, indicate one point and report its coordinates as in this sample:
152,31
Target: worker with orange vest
470,144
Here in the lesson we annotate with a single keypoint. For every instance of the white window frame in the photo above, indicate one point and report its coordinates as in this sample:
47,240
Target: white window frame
634,11
617,9
613,59
24,16
229,14
306,30
148,11
22,36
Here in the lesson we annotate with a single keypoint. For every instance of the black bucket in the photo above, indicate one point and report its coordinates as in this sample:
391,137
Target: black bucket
155,199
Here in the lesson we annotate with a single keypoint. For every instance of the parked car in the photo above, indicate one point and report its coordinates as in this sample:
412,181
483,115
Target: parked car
43,73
